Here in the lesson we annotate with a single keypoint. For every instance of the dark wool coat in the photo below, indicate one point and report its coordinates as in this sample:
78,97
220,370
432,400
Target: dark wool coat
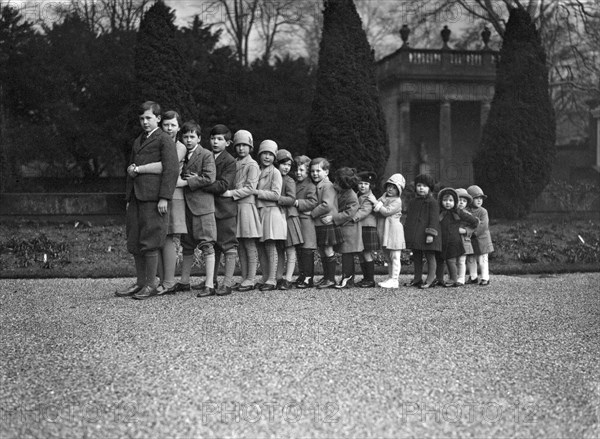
288,196
306,194
225,207
423,219
159,147
202,162
450,221
347,202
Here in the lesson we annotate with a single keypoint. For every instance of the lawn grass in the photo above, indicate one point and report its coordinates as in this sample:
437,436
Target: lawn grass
85,249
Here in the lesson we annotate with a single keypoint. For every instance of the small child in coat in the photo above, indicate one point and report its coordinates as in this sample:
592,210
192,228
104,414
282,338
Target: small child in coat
327,234
368,223
306,201
347,201
389,227
249,227
482,239
464,201
451,219
286,254
422,230
273,221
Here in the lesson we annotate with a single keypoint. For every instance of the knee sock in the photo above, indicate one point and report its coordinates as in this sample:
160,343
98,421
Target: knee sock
290,262
280,261
186,268
209,267
484,266
472,265
440,266
369,273
461,268
151,264
418,264
243,255
347,265
168,260
308,262
452,272
252,261
230,256
396,264
431,266
140,270
331,263
271,268
217,263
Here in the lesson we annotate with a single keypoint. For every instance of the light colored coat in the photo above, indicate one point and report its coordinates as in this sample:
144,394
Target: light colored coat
246,181
268,191
481,238
389,228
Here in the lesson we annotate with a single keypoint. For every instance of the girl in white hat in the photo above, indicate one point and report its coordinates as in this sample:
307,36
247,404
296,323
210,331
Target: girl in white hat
482,239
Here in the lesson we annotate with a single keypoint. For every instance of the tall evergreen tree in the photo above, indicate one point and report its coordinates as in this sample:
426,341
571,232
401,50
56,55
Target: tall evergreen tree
347,124
160,70
514,162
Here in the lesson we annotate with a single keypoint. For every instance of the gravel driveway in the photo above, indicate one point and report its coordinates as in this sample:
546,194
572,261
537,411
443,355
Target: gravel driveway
516,359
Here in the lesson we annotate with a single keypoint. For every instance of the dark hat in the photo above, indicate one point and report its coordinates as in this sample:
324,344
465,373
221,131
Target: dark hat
367,176
448,191
425,179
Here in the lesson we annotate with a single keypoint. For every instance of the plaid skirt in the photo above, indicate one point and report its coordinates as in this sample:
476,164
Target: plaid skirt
294,232
370,238
329,235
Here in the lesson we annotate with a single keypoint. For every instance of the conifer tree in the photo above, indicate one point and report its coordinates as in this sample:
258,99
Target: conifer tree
514,162
347,124
160,70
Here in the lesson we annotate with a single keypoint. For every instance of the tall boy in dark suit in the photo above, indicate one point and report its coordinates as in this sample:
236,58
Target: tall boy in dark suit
225,207
147,199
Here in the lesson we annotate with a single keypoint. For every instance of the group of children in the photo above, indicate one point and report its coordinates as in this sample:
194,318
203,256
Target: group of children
266,212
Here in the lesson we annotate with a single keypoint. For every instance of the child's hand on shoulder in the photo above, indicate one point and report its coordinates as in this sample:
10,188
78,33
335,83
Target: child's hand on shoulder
327,219
372,198
462,231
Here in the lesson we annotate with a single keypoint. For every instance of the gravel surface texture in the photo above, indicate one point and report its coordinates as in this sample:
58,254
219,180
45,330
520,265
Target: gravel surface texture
516,359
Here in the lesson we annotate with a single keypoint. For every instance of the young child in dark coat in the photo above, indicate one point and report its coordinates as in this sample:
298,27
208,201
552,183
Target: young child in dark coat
422,230
451,220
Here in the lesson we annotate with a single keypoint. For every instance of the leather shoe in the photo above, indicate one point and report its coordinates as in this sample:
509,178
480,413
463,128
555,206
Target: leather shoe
436,283
484,283
258,285
414,283
320,281
327,284
244,288
129,291
472,281
346,282
181,287
223,291
162,291
202,284
145,293
206,291
306,283
268,287
285,285
365,283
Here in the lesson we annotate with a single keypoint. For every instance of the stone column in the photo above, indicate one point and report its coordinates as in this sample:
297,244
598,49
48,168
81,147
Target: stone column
445,140
484,112
404,157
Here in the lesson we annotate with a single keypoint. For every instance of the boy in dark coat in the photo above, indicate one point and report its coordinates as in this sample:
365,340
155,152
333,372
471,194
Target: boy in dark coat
422,230
225,207
147,198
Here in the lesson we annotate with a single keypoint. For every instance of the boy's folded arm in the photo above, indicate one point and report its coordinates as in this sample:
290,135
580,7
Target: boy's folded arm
345,215
309,203
288,198
364,210
151,168
326,204
206,176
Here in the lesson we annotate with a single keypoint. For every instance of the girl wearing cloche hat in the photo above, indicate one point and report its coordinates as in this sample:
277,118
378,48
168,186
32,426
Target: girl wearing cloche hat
481,239
274,226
